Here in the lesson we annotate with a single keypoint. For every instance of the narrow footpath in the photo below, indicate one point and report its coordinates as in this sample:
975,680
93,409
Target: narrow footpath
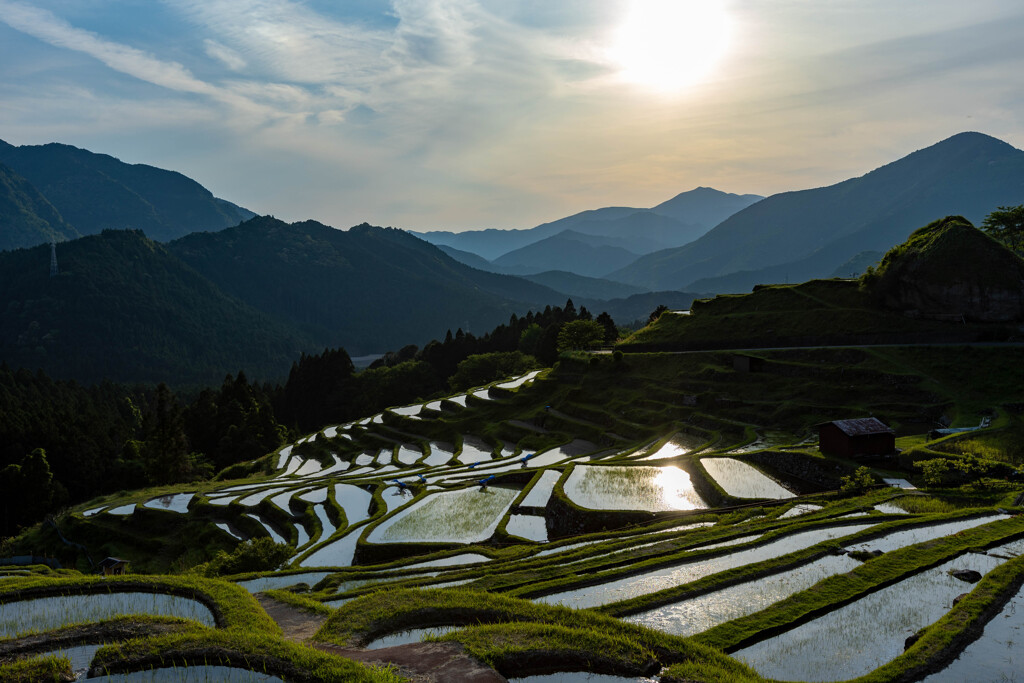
419,662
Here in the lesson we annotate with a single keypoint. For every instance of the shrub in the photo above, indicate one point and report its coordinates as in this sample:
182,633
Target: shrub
254,555
859,481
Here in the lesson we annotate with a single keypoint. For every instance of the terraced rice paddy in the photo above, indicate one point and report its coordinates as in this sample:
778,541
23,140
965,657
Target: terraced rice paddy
174,502
690,617
44,614
414,635
660,579
742,480
388,506
191,674
652,489
857,638
540,494
463,516
530,527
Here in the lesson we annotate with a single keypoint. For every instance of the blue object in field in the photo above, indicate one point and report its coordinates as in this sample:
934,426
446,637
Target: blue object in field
527,457
473,465
483,482
401,484
423,479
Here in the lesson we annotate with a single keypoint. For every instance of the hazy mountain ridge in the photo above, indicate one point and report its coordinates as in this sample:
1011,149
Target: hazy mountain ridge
676,221
810,233
568,250
94,192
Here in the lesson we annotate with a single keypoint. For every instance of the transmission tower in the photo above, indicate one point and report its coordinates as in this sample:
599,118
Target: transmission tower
54,270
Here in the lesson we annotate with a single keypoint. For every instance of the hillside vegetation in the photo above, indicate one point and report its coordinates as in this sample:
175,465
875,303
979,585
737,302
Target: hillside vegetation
949,282
95,192
796,236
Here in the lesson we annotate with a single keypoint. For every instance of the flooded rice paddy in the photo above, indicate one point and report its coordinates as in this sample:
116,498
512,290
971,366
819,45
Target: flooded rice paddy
44,614
414,635
464,516
742,480
266,583
539,495
900,539
530,527
190,674
855,639
653,489
668,577
698,614
996,655
177,502
354,501
427,469
337,553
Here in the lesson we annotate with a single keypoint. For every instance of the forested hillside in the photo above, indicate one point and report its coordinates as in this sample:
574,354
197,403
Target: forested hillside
124,308
95,192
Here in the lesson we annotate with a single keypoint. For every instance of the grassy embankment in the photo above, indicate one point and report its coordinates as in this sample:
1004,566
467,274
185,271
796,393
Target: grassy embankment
245,635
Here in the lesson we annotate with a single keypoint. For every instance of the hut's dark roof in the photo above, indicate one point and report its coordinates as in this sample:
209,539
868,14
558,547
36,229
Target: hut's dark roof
111,562
861,426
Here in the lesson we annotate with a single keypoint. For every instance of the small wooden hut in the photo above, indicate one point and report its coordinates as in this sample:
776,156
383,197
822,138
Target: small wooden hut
858,437
113,566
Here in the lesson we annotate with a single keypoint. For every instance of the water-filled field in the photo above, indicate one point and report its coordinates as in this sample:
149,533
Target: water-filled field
428,495
632,488
857,638
698,614
743,480
43,614
660,579
464,516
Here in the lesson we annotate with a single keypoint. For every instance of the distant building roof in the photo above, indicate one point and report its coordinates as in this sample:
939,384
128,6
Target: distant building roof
861,426
111,562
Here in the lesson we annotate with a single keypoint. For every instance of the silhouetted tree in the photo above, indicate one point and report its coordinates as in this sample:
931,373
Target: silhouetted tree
1007,225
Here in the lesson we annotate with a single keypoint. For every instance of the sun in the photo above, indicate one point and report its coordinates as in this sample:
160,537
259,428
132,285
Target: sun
670,44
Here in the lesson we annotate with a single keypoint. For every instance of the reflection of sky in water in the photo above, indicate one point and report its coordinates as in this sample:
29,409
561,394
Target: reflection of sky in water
463,516
541,491
44,614
899,539
532,527
669,450
175,503
191,674
668,577
632,488
857,638
699,614
743,480
337,553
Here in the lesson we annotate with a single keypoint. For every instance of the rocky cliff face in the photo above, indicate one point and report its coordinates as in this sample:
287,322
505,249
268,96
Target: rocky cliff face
951,270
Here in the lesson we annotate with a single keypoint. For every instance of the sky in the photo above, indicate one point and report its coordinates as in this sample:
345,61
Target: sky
468,114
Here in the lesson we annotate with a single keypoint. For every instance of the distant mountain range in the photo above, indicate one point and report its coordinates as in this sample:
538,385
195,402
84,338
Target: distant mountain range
795,236
677,221
253,297
84,193
254,294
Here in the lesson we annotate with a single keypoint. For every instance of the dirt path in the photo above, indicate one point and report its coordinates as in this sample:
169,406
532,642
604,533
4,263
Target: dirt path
419,662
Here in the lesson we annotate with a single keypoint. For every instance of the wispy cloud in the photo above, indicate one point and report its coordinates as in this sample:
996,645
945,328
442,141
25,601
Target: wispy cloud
225,54
48,27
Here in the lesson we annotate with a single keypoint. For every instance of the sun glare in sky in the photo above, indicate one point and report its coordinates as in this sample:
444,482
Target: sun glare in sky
669,45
